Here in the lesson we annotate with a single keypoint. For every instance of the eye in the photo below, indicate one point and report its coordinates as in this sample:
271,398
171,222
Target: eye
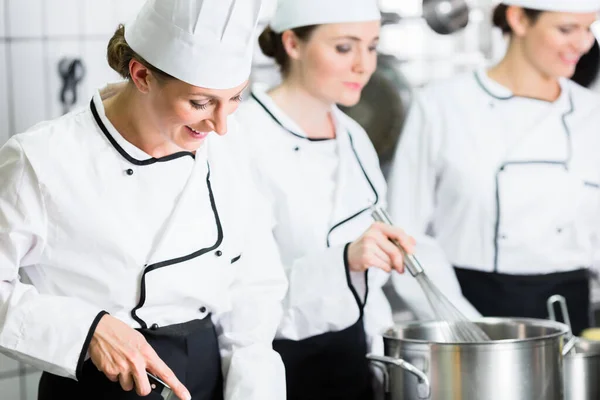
237,98
199,106
565,29
373,48
343,48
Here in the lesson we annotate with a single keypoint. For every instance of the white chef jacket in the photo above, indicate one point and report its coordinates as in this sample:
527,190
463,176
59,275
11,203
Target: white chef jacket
96,224
319,205
501,183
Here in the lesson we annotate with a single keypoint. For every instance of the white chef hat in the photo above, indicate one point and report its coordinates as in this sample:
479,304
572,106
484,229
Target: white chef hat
576,6
292,14
206,43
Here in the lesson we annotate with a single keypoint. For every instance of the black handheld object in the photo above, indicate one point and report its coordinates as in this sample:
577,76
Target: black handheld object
158,386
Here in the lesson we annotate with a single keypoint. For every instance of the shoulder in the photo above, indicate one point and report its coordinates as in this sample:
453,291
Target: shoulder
454,85
61,138
583,99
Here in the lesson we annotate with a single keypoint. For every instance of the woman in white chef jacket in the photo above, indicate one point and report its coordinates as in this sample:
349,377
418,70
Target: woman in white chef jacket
500,166
322,175
126,218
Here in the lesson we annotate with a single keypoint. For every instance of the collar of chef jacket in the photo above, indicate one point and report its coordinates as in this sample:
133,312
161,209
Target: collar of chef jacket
357,187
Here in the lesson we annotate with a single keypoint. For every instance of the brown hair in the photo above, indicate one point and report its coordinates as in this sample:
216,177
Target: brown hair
271,44
119,54
499,17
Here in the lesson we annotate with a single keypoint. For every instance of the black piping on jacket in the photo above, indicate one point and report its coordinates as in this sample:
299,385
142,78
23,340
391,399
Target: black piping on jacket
563,163
173,261
339,224
126,155
198,253
362,168
260,103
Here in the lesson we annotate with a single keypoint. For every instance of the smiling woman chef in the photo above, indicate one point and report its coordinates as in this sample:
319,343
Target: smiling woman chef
501,166
132,222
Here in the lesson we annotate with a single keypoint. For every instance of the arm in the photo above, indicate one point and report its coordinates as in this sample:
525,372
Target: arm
251,368
49,332
411,197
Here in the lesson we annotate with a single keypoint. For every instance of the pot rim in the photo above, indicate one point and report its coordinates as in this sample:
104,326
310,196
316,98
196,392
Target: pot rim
561,330
594,351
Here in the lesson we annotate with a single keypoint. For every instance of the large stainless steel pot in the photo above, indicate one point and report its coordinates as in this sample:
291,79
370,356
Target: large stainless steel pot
582,360
522,362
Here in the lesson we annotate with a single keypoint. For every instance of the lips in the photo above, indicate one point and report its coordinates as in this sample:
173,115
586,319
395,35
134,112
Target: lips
353,85
196,134
570,60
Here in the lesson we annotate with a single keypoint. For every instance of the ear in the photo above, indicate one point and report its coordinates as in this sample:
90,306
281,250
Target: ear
291,44
517,20
140,75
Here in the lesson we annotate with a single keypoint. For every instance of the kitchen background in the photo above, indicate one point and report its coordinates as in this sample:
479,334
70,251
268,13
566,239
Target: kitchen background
36,35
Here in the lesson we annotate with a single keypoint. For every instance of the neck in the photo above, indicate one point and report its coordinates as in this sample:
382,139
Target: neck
522,78
311,114
127,113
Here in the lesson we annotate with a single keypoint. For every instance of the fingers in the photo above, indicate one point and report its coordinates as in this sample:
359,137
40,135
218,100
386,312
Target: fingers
407,242
365,253
161,370
379,262
142,384
113,377
124,355
126,381
391,251
380,258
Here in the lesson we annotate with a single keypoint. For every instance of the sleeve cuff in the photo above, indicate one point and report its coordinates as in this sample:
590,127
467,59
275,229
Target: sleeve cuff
86,344
361,304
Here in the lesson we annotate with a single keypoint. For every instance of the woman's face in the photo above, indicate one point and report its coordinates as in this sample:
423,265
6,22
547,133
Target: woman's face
337,61
555,42
185,114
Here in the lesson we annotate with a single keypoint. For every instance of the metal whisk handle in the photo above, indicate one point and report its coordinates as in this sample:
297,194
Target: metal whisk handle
412,264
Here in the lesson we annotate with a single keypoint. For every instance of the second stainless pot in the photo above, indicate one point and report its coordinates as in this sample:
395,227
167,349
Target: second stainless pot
522,362
582,371
582,359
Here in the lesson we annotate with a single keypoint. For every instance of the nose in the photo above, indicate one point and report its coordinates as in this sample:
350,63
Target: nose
359,65
218,121
365,61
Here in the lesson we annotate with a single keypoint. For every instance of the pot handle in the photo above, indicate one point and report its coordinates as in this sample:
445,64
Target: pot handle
386,378
572,339
570,345
552,300
424,388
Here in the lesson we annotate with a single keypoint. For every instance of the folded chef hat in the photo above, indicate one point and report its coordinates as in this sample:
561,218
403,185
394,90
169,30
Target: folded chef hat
206,43
296,13
576,6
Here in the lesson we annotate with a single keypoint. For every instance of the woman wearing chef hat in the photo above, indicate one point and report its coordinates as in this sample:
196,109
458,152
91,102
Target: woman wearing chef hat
322,175
126,219
500,166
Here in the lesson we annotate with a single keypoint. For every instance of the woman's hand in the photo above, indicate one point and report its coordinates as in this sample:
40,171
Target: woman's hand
124,355
374,249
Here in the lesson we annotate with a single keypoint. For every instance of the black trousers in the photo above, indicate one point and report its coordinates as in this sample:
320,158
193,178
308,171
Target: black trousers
504,295
330,366
189,349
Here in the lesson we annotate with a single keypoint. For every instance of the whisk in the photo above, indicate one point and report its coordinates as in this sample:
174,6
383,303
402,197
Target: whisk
454,326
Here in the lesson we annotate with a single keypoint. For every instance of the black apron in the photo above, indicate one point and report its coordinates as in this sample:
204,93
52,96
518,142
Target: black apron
189,349
504,295
330,366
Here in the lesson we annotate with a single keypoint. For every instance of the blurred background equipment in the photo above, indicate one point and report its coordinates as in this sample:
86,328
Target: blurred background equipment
446,16
72,72
386,98
383,106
